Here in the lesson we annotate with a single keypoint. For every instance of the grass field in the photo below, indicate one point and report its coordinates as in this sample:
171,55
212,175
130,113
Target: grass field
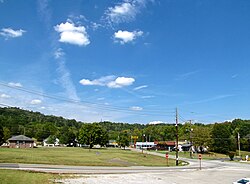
24,177
81,157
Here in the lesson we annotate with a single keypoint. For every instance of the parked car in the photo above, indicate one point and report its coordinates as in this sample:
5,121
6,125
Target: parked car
243,181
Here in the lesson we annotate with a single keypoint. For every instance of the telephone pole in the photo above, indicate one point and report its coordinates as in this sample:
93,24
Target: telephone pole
239,142
177,137
190,139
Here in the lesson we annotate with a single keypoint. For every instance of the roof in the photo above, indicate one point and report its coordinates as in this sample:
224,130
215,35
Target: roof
20,138
186,145
168,143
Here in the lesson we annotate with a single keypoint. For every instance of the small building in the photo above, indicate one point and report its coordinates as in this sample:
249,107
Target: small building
47,142
144,145
20,141
164,145
112,143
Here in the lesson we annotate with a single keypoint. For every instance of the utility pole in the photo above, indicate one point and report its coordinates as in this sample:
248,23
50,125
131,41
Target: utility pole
190,139
177,137
239,142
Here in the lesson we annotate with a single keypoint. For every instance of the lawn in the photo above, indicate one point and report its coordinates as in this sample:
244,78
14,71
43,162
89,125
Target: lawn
81,157
206,156
24,177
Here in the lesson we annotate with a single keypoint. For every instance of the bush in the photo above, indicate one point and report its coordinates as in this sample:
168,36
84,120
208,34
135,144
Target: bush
231,155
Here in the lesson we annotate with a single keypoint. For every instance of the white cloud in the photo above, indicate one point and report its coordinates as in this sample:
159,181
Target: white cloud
125,11
150,96
156,122
59,53
12,84
109,81
126,36
140,87
10,33
35,102
121,82
4,96
136,108
69,33
103,81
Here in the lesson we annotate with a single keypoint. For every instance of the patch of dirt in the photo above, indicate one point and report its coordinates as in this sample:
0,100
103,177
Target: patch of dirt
121,162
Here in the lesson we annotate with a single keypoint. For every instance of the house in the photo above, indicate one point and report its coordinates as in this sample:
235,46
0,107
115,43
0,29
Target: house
164,145
51,143
144,145
20,141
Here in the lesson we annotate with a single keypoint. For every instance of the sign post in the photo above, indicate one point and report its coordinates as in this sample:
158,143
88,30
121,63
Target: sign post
199,156
167,158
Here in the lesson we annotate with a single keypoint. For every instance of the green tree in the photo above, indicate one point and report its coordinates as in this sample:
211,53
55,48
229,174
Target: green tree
51,139
6,134
1,135
67,135
200,135
124,138
222,141
92,134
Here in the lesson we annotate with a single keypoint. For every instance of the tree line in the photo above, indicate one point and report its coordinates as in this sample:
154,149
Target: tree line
219,137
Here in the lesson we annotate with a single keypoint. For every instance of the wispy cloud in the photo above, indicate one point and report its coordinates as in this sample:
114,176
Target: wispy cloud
109,81
35,102
125,11
11,33
13,84
59,53
125,36
69,33
136,108
186,75
65,76
140,87
149,96
5,96
219,97
44,12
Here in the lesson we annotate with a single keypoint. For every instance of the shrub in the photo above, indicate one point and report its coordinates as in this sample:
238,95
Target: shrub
231,155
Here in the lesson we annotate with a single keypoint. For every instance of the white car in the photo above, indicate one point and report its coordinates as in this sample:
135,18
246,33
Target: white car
243,181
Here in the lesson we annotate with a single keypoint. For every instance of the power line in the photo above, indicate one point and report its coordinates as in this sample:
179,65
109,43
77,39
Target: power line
93,105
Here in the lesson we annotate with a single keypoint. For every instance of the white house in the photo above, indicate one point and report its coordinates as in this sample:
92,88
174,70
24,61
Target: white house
56,143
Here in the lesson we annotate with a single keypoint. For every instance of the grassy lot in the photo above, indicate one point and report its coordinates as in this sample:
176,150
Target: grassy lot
80,157
207,156
24,177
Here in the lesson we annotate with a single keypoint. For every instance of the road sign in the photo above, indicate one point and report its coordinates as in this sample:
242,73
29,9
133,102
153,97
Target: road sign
166,155
134,137
199,156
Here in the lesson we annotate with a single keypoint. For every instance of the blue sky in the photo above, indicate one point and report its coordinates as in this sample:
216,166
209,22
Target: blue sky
129,61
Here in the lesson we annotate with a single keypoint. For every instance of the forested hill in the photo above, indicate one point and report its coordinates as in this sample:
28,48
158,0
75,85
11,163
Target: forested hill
14,117
15,121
